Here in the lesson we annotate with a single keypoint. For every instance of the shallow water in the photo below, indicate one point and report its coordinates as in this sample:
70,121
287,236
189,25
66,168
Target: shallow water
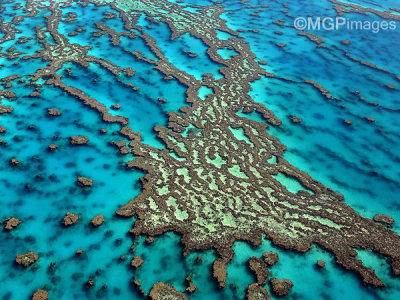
362,161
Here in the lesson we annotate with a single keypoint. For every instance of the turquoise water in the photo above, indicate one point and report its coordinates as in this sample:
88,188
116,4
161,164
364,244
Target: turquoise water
174,50
291,184
204,91
362,161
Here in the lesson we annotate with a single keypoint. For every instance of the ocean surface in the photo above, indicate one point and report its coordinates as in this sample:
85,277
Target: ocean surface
361,161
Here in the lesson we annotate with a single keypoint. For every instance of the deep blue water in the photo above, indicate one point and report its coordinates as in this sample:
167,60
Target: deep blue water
362,161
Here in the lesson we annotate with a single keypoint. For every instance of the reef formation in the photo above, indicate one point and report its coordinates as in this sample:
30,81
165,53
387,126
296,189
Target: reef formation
210,186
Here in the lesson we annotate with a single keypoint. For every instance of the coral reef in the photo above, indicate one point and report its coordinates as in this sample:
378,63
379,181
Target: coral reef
384,219
281,287
52,147
136,262
259,268
257,292
295,119
54,112
321,263
161,291
97,220
70,219
11,223
270,258
26,259
212,188
85,182
191,286
40,295
79,140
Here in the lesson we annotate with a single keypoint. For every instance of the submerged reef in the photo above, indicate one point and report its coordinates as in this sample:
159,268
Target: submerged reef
270,258
79,140
222,189
257,292
85,182
26,259
11,223
210,184
162,291
281,287
259,268
320,263
136,262
97,220
40,295
384,219
70,219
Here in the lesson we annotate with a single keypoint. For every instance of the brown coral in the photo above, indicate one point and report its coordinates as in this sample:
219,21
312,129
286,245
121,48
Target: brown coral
85,182
97,220
270,258
26,259
78,140
70,219
257,292
162,291
259,268
11,223
384,219
54,112
281,287
40,295
321,263
136,262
